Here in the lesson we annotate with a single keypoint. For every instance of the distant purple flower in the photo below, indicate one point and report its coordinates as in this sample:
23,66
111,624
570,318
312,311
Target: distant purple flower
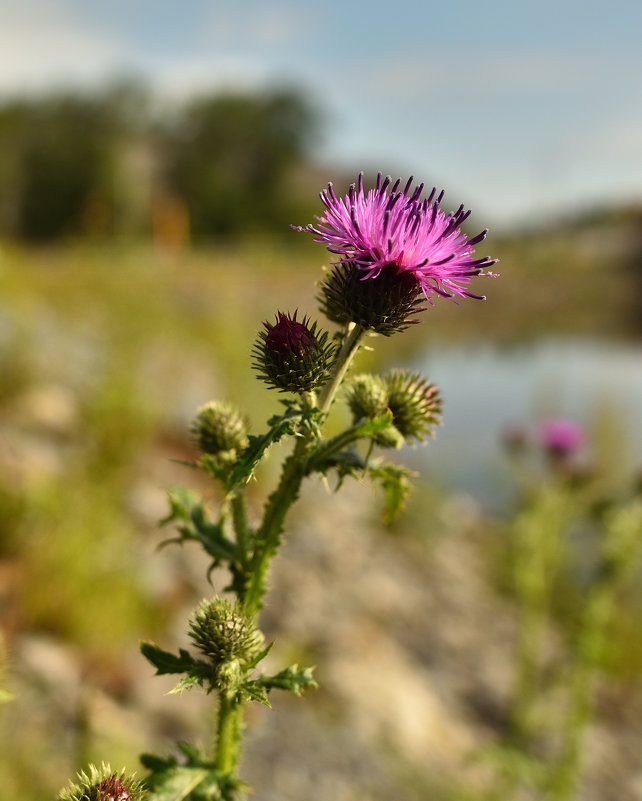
391,228
561,437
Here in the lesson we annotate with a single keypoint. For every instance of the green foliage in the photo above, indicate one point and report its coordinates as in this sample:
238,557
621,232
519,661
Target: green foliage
196,779
58,157
229,158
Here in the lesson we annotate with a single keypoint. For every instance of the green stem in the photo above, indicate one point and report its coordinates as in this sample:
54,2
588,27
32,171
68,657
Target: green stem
267,538
294,470
346,354
239,519
228,741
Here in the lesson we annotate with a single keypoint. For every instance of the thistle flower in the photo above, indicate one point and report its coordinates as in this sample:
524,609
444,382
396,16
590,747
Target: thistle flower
292,355
415,404
103,784
385,303
367,397
561,438
219,429
228,638
396,235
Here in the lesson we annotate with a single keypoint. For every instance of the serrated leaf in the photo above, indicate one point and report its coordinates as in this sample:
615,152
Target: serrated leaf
166,662
293,678
177,782
260,656
280,426
187,682
255,691
395,481
181,499
193,523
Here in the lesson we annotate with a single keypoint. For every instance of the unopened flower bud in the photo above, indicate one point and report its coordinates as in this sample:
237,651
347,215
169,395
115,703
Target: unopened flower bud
385,303
367,397
219,430
103,784
415,404
292,355
227,637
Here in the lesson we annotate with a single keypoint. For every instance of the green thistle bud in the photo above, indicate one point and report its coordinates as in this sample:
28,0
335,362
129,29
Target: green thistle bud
103,784
293,356
415,404
227,637
219,430
367,397
384,303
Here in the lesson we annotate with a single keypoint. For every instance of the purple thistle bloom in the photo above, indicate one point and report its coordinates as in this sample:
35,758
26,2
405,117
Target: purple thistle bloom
561,437
387,227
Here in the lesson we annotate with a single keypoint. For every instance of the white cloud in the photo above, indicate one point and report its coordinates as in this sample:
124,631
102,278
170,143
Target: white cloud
45,43
486,74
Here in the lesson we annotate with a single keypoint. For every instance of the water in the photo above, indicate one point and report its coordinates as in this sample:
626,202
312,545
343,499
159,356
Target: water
487,390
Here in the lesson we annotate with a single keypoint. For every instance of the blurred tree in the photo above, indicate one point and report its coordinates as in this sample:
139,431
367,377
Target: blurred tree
57,164
231,158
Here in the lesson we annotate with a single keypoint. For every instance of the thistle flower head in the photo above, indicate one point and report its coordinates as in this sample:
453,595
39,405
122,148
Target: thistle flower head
227,637
103,784
367,397
561,438
394,232
292,355
415,404
219,429
386,303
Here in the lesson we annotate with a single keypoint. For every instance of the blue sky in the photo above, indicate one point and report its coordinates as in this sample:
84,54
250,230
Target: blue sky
519,109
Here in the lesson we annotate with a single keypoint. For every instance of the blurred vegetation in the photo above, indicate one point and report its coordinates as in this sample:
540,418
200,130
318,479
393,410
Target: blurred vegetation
114,163
158,253
106,350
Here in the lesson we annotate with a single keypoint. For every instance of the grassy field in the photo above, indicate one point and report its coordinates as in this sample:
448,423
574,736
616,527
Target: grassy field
105,352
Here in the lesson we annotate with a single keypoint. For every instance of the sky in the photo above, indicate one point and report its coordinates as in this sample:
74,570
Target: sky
520,109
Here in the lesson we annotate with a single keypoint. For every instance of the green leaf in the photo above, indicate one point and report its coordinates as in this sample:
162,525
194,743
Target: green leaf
280,426
293,678
255,691
395,480
178,782
181,499
196,780
260,657
193,523
167,663
187,682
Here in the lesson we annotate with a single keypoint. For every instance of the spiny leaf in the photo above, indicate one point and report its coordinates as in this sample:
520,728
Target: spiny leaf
252,455
293,678
255,691
187,682
167,663
395,481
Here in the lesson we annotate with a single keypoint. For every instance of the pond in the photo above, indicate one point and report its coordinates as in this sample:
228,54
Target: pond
487,390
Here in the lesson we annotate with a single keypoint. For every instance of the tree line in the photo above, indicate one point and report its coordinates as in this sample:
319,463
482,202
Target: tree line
223,164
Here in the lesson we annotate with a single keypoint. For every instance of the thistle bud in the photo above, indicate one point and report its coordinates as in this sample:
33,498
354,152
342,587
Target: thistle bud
415,404
103,784
367,397
292,356
227,637
219,430
384,304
